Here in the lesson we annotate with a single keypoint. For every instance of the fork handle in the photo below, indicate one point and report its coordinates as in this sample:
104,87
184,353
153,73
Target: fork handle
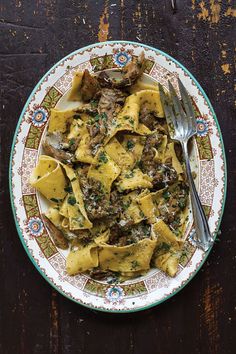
204,238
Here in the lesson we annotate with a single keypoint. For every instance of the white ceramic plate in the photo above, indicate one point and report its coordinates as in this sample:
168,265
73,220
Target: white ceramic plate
208,160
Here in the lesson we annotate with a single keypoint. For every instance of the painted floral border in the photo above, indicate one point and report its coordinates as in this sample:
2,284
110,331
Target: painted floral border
37,115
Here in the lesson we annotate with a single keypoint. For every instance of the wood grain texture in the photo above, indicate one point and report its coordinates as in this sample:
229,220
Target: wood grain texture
36,34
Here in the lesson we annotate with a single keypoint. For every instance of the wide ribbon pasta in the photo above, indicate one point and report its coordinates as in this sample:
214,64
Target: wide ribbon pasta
77,215
129,258
116,152
134,145
59,120
82,258
128,118
85,257
132,209
170,153
104,170
74,94
133,179
168,248
150,99
49,179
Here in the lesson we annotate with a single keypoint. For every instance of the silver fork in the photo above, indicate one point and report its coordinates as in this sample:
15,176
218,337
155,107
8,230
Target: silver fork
182,126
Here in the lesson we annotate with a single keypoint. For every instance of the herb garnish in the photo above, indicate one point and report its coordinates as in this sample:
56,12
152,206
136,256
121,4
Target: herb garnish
71,141
165,247
166,195
131,121
102,158
68,189
71,200
130,144
94,103
55,200
126,204
182,203
135,264
129,174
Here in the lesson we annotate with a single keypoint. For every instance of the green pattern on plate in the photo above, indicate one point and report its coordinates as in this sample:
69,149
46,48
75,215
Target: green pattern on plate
102,63
96,288
47,246
135,289
51,98
204,147
148,66
31,205
33,138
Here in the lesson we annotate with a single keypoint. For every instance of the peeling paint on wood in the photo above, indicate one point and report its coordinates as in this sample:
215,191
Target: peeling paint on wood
212,14
211,11
223,54
215,11
203,15
225,68
104,25
230,12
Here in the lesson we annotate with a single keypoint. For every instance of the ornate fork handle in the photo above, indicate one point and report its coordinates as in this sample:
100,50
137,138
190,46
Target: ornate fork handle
200,221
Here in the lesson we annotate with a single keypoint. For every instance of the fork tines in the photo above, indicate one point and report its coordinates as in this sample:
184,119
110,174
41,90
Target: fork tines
179,113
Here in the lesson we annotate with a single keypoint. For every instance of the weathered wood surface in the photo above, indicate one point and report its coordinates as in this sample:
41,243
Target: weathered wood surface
33,317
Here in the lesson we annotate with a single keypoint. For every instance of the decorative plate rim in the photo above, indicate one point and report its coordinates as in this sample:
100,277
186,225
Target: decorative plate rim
141,308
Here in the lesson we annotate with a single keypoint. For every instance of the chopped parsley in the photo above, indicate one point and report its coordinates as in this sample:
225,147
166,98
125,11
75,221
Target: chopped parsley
129,174
130,144
71,141
163,247
126,204
96,118
135,264
65,162
181,203
139,164
68,189
103,116
141,214
71,200
131,121
146,230
166,195
55,200
102,158
77,116
94,103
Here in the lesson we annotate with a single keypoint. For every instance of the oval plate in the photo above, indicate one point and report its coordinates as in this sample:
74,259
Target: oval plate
155,287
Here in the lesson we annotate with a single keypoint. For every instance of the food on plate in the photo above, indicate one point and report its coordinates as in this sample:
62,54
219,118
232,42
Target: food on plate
117,193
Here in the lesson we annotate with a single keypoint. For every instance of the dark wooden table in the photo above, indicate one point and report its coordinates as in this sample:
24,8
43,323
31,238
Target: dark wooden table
33,317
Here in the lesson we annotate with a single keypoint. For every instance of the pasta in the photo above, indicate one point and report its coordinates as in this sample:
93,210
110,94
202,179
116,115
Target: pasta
104,170
115,185
44,176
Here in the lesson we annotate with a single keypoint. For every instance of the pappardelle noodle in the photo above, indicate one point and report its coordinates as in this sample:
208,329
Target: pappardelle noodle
113,178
